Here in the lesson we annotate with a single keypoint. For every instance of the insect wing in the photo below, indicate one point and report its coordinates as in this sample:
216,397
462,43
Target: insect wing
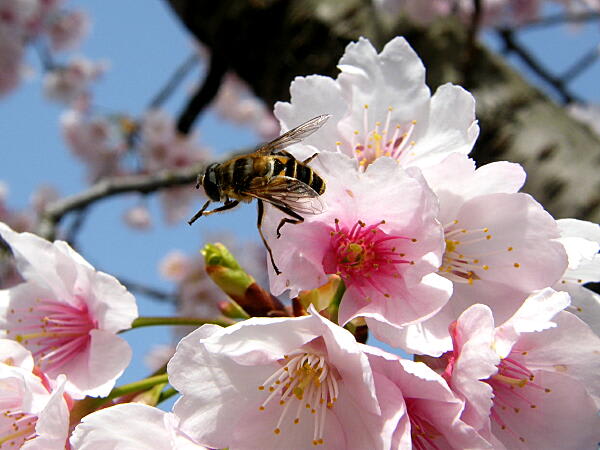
293,136
287,192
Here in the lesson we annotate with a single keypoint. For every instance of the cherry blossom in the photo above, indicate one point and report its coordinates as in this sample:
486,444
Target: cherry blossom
21,220
198,295
235,102
279,383
138,217
500,245
34,416
99,141
69,82
387,251
25,21
67,314
11,54
67,29
162,147
15,19
582,241
431,411
381,106
532,382
131,425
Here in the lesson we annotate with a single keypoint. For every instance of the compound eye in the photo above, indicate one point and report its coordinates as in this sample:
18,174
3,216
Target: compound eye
211,186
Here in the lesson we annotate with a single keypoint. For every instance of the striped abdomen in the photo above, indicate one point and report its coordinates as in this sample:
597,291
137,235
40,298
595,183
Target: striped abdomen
236,174
289,167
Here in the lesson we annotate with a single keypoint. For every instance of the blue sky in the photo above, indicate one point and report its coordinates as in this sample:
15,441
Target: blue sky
144,43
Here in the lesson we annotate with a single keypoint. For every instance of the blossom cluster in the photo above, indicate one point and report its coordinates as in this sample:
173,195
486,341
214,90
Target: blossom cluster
59,341
40,22
432,255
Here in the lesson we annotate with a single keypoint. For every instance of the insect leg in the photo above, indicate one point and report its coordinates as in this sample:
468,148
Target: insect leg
261,211
309,159
228,205
199,213
297,218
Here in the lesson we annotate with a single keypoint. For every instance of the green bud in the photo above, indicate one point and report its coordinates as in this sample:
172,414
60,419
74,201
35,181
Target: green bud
225,271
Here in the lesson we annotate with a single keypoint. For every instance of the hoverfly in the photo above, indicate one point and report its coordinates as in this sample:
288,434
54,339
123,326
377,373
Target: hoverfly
270,174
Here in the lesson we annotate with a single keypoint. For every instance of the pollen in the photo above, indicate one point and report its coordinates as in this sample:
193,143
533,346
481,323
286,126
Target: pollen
465,259
58,331
513,387
305,381
365,256
369,144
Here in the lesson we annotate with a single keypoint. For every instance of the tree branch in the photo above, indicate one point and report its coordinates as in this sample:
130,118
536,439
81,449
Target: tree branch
204,95
276,40
149,291
174,80
109,187
557,83
584,62
472,33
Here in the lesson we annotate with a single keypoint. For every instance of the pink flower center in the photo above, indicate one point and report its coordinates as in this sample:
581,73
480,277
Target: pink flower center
16,428
55,332
385,139
511,386
423,433
306,383
364,256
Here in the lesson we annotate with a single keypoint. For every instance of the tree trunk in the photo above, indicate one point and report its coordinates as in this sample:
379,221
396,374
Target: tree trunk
269,42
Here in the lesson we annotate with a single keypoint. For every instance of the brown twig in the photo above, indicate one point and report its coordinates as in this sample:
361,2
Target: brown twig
109,187
149,291
584,62
512,45
204,95
471,41
174,80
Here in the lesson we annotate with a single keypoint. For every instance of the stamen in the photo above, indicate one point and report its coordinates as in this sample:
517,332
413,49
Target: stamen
375,142
460,264
511,387
16,428
306,379
55,332
365,256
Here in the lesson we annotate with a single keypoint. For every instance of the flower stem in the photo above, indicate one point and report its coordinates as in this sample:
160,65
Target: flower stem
334,305
87,405
195,321
137,386
167,394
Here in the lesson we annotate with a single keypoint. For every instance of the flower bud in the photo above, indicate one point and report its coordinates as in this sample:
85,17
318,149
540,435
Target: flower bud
224,270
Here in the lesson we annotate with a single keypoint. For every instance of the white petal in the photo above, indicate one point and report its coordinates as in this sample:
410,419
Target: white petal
313,96
451,127
94,372
394,78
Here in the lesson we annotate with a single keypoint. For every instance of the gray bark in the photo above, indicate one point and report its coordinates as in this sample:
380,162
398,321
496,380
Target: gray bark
269,42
